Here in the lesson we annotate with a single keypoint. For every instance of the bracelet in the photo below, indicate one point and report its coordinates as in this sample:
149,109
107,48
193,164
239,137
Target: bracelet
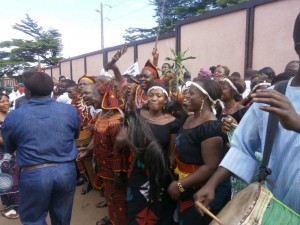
181,189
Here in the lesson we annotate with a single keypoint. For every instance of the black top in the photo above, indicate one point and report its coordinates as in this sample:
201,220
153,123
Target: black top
188,141
238,115
163,132
138,175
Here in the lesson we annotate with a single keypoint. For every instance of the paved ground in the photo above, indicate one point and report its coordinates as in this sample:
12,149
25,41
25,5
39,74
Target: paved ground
80,216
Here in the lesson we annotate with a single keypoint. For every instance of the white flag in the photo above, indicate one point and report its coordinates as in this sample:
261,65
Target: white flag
105,73
133,70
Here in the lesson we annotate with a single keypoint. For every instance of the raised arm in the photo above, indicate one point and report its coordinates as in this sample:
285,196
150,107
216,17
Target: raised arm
155,55
116,70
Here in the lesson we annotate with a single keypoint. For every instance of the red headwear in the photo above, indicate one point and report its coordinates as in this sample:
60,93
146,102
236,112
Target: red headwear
113,96
151,68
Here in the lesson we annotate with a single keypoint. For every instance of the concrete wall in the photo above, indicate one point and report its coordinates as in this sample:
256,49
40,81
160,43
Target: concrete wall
217,40
273,42
254,34
94,64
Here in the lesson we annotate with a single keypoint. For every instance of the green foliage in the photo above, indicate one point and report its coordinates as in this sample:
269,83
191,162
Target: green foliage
135,34
175,11
177,67
17,55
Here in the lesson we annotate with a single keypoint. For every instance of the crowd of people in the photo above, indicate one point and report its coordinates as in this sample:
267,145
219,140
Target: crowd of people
150,147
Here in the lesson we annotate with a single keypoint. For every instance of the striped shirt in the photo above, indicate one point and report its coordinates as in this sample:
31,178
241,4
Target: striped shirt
285,157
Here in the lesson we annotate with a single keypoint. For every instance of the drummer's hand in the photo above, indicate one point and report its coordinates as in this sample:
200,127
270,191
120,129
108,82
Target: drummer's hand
205,195
173,191
89,127
226,124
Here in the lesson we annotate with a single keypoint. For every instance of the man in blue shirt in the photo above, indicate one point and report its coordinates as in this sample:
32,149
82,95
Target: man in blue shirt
250,136
43,134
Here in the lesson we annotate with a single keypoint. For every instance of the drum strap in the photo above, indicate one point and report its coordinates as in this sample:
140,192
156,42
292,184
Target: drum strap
272,127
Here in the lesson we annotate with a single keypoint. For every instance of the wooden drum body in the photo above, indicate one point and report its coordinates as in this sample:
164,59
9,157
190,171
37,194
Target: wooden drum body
256,205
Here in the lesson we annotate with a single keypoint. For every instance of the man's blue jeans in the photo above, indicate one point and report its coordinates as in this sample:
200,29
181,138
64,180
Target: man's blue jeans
47,189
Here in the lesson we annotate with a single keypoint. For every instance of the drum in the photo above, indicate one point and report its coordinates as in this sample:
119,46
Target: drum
84,138
256,205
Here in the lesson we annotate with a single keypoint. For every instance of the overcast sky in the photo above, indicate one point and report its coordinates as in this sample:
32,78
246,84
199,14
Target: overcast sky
78,21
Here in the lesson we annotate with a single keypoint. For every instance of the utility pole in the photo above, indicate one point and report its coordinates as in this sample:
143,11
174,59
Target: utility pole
102,34
102,27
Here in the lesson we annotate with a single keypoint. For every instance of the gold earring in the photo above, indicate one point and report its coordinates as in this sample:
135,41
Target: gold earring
202,104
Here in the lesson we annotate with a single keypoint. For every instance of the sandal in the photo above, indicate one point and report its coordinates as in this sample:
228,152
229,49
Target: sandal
10,213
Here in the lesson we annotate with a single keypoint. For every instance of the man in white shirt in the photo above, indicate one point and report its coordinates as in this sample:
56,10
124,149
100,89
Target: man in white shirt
62,89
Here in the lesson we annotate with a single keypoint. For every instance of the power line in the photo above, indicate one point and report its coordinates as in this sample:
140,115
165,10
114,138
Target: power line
129,13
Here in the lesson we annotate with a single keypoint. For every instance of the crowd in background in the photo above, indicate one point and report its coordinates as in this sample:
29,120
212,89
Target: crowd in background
147,144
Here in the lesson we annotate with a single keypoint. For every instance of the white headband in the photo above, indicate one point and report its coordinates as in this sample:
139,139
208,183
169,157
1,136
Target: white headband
213,102
261,84
232,85
158,87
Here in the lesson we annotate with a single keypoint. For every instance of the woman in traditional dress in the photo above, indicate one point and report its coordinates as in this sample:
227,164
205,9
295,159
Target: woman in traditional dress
9,198
199,150
111,161
136,94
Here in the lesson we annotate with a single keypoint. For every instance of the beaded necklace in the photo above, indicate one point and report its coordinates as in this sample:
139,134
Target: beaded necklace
140,97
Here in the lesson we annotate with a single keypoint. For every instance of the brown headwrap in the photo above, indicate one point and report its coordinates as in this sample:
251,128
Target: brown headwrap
113,96
151,68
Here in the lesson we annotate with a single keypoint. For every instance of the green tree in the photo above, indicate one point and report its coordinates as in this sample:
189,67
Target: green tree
17,55
175,11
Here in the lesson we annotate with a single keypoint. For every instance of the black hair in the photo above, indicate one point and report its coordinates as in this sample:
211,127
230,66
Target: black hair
175,109
73,85
2,94
187,74
240,86
212,87
261,79
282,77
269,72
62,78
214,90
296,32
212,69
235,74
146,148
69,83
